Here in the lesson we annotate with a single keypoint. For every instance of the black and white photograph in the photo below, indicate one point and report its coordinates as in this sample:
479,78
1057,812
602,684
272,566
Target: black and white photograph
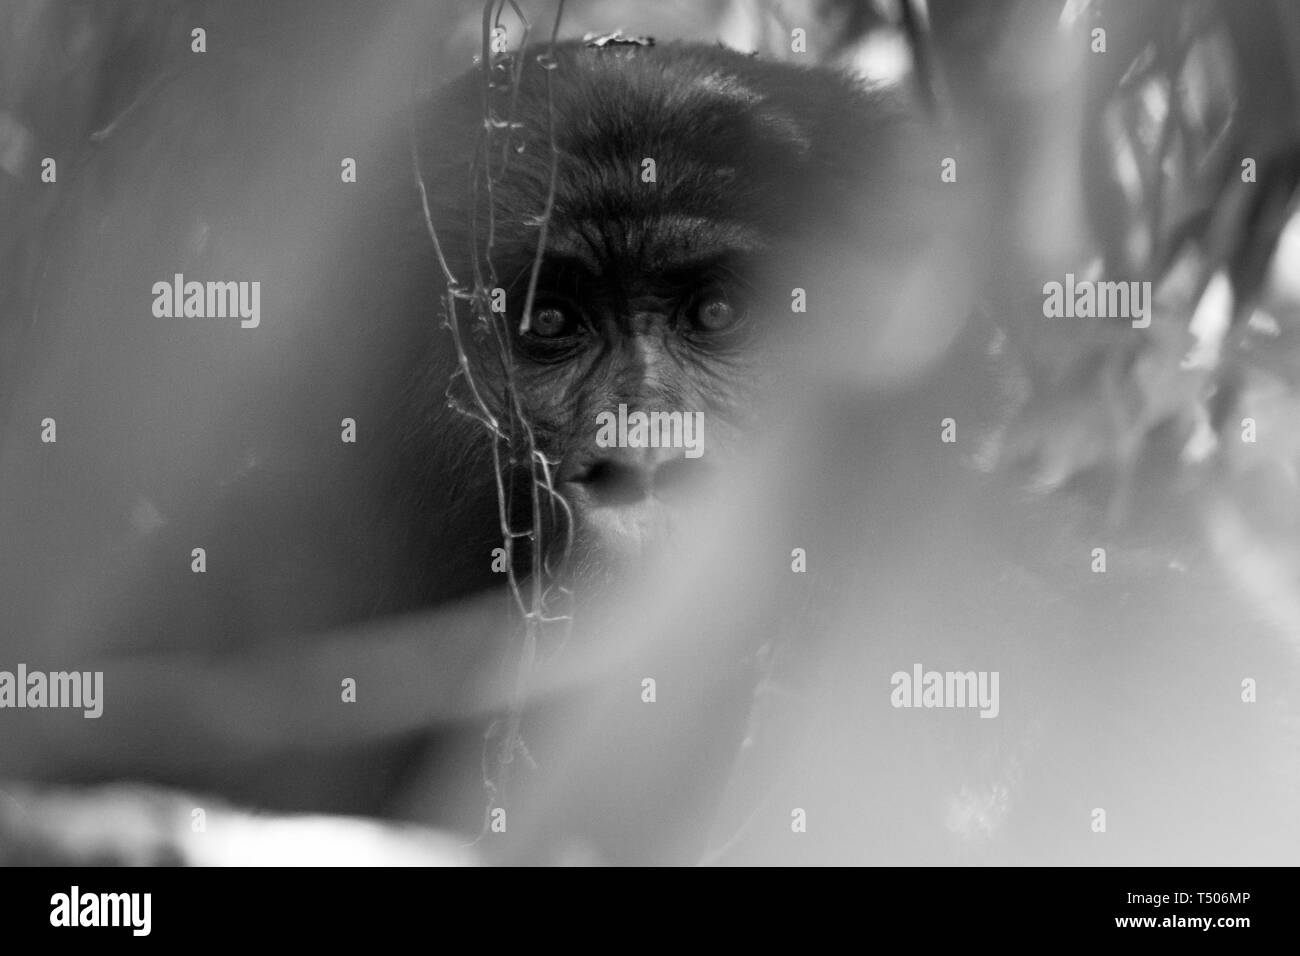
728,433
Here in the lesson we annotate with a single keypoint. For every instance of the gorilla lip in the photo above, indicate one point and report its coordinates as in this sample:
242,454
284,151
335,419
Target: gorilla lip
630,528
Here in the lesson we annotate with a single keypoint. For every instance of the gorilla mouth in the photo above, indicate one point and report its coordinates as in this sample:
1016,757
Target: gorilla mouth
619,515
612,484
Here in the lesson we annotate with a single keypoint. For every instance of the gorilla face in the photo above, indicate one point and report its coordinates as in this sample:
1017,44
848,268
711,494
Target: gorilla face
679,197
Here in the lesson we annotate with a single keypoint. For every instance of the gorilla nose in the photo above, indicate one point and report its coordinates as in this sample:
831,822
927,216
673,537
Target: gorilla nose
636,474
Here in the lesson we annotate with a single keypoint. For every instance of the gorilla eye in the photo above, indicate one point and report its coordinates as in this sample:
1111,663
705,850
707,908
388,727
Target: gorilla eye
715,311
551,322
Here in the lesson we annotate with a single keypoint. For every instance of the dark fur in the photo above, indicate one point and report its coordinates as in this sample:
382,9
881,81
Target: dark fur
304,534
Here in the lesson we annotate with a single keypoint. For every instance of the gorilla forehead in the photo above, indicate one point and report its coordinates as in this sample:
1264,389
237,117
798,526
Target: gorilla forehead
653,244
724,131
734,141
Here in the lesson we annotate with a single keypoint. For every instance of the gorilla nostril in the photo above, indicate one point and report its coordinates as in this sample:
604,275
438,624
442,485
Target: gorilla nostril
614,483
676,477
